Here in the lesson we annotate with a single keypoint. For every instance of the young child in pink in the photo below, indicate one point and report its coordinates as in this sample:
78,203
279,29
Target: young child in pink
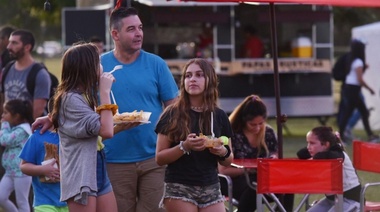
15,130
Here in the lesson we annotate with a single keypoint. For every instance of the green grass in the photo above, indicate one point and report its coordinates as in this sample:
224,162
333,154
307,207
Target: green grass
53,64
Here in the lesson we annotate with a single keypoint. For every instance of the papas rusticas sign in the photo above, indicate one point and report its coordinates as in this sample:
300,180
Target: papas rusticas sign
284,65
262,66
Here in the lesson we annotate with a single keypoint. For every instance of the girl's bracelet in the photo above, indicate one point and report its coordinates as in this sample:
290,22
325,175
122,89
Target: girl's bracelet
181,147
111,107
228,153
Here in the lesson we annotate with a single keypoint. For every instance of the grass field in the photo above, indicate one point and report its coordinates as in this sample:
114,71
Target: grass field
293,134
53,64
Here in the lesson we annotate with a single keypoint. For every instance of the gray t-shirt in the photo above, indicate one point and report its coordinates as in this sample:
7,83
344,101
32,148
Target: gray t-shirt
78,130
15,84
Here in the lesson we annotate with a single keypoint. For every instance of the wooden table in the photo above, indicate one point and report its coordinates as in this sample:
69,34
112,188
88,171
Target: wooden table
245,163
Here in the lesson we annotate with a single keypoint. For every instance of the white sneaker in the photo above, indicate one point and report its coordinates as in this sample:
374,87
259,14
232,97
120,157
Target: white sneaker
348,134
374,139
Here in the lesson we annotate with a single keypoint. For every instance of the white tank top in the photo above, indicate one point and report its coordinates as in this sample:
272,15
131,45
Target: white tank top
350,178
352,77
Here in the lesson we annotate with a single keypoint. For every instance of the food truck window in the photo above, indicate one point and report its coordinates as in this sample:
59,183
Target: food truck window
288,25
172,32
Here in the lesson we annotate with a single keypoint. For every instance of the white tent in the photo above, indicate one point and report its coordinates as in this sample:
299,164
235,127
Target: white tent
370,33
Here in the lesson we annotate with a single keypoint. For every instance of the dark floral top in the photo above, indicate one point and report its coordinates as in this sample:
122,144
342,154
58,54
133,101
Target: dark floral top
242,149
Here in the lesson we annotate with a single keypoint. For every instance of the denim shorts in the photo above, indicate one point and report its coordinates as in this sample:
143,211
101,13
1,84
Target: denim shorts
201,196
104,184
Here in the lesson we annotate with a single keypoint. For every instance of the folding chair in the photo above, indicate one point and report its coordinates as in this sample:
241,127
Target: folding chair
229,198
365,158
293,176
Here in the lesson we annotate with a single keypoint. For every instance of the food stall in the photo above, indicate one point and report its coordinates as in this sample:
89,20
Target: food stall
305,51
305,44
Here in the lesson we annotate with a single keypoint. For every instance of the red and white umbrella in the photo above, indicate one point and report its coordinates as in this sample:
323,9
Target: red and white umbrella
343,3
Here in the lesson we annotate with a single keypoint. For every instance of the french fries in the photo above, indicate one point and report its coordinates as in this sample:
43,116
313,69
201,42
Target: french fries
129,116
211,142
51,153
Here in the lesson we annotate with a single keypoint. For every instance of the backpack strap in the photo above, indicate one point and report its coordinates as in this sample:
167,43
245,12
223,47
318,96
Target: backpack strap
5,73
31,78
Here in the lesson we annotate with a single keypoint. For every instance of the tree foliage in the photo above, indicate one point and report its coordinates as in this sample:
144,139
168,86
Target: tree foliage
30,14
346,18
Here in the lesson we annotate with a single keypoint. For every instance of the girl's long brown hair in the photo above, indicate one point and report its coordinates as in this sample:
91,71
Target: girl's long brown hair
250,108
80,73
179,126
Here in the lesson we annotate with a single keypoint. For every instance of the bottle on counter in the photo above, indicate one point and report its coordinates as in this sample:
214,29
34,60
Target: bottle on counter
302,47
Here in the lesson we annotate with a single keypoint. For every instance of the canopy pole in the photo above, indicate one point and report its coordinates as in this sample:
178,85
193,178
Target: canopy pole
276,79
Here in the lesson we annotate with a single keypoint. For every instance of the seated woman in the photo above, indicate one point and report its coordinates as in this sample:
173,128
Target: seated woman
252,138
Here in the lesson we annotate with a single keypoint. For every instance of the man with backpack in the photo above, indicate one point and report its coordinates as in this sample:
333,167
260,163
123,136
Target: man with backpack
15,77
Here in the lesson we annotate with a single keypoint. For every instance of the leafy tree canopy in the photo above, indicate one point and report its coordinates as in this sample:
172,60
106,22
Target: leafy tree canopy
30,14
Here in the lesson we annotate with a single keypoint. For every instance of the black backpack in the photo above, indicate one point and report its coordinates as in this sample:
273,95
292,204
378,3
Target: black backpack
31,78
340,70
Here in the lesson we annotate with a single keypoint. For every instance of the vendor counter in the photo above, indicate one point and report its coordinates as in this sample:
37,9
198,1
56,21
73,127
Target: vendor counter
305,84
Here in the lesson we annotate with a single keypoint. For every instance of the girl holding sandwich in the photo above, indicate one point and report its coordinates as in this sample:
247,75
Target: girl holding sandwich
191,178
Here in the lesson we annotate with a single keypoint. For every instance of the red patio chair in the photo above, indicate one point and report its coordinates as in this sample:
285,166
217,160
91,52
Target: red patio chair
295,176
366,158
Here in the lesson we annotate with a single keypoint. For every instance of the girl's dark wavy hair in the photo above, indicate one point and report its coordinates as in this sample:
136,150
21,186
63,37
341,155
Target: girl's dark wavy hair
326,134
357,51
22,107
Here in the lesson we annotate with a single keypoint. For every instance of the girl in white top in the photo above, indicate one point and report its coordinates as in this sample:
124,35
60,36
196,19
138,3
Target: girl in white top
352,89
323,143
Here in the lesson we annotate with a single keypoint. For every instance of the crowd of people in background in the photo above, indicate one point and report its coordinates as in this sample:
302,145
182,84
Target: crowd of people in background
160,166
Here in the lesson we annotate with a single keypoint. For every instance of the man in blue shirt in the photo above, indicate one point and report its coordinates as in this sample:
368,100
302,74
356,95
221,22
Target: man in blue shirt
144,83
